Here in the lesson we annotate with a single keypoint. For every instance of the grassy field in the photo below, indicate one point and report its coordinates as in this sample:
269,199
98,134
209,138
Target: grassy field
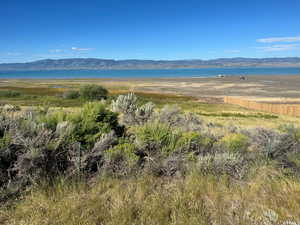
184,160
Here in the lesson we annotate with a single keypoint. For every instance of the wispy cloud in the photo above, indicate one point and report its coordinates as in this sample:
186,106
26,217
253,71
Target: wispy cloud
277,48
56,50
81,49
279,39
233,51
13,53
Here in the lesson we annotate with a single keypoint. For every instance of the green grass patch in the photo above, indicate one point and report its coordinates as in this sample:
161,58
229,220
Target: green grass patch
239,115
43,91
9,94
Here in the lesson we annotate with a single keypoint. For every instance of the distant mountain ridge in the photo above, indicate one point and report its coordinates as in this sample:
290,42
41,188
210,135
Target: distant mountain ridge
94,63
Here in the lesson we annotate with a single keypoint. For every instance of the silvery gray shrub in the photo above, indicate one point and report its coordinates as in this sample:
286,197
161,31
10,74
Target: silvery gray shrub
222,164
172,115
131,113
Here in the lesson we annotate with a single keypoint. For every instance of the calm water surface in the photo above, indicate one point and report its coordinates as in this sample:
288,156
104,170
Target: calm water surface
167,73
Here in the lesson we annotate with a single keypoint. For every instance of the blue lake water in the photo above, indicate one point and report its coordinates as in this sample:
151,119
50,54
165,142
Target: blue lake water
164,73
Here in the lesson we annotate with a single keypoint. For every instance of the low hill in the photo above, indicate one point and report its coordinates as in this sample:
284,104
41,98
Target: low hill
94,63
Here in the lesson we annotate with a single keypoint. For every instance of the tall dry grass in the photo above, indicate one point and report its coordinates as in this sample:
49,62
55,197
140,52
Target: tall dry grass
268,198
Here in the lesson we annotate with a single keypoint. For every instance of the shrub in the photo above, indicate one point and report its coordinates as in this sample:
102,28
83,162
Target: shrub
222,164
9,94
131,113
121,159
11,108
196,143
126,104
93,92
92,161
170,114
144,113
93,121
291,129
155,138
275,145
72,94
265,141
236,142
174,117
51,120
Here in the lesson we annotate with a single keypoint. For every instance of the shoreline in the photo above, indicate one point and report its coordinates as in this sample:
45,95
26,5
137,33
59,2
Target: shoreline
265,88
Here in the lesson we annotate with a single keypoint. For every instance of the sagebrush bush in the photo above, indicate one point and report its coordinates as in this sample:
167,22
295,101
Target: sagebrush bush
121,159
173,116
126,104
91,162
93,92
127,139
131,113
222,164
10,108
291,129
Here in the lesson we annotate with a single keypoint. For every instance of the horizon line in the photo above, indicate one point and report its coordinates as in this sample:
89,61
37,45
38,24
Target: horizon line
114,59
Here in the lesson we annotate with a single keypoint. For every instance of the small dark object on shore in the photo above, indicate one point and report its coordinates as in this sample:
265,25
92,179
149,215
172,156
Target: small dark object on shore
242,78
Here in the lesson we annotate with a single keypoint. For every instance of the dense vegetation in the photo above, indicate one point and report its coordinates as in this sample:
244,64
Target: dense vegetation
68,167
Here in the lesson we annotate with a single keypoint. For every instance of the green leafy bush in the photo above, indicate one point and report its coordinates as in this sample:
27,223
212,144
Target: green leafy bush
236,142
93,121
52,119
71,94
196,143
157,137
93,92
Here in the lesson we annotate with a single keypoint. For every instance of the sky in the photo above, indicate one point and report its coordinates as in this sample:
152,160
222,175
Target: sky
153,29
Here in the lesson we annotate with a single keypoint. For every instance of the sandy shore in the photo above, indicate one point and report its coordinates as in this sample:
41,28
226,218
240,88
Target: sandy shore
266,88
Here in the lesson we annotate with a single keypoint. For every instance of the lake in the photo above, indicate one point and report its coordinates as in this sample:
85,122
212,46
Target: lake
151,73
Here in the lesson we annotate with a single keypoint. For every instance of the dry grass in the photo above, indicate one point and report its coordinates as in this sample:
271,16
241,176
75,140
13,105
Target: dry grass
154,201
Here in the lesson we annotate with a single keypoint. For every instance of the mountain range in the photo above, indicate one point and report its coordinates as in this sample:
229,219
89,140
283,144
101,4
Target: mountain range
94,63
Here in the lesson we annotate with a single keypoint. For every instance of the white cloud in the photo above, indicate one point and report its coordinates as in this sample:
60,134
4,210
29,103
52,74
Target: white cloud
279,39
81,49
14,53
56,50
277,48
233,51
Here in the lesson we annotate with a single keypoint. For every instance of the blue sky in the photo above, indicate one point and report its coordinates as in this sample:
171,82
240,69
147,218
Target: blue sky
153,29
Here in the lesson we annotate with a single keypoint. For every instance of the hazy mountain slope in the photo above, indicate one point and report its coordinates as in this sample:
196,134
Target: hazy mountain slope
93,63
